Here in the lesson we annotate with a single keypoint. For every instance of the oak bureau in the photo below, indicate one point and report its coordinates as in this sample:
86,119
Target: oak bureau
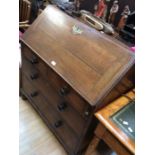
67,77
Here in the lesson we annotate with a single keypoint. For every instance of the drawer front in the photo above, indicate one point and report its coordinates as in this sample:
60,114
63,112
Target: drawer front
29,70
34,60
66,92
34,94
55,122
62,88
62,106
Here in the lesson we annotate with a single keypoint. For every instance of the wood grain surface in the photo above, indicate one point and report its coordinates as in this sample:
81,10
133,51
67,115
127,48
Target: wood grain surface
91,63
104,117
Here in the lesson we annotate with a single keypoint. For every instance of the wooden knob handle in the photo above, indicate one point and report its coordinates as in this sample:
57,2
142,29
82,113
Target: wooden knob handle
58,124
64,91
34,76
34,60
62,106
33,94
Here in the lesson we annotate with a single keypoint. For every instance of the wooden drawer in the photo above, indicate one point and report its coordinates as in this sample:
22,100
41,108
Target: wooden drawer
34,60
29,69
60,86
66,136
62,106
54,120
33,93
66,92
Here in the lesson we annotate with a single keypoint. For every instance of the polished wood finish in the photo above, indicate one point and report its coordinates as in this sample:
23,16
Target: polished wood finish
65,76
101,133
50,115
104,116
86,54
64,121
107,131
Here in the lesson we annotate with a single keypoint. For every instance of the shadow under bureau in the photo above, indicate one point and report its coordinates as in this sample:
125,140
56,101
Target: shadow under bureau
67,77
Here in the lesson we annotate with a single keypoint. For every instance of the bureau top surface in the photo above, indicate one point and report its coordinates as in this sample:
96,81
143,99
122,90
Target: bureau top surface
91,63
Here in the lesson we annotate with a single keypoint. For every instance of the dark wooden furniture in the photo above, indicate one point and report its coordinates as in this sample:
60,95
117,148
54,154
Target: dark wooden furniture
24,13
109,132
67,77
